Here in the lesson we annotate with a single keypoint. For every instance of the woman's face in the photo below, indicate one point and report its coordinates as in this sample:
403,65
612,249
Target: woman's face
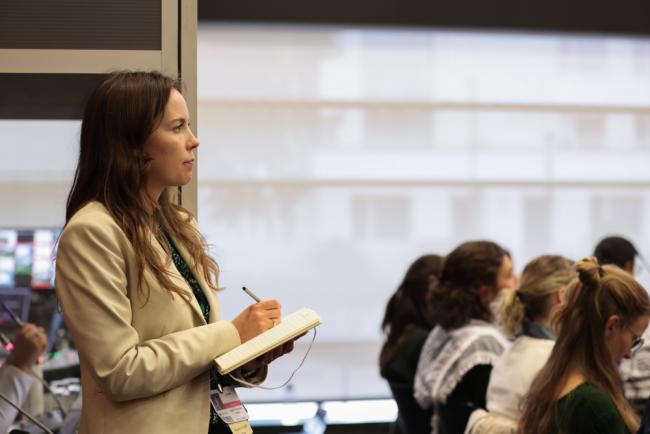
619,338
506,275
505,279
171,148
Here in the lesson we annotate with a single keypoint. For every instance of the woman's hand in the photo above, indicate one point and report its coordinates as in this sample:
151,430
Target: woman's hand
257,318
267,358
276,352
29,344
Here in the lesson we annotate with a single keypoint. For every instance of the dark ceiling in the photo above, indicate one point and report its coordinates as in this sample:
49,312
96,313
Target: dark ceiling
596,16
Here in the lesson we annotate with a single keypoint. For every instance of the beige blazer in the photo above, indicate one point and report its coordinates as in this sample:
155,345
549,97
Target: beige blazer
144,366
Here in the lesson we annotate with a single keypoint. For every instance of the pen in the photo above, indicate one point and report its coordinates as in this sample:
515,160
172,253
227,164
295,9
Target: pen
250,293
12,314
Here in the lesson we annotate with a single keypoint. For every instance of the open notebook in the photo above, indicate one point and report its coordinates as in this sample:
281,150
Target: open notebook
291,326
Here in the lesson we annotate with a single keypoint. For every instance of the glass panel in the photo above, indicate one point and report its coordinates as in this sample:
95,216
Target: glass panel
331,158
36,169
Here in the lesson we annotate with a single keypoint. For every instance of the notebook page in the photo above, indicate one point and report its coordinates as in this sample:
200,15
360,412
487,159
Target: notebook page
291,326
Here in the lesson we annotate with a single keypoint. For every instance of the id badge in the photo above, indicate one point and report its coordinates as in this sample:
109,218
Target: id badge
228,406
242,427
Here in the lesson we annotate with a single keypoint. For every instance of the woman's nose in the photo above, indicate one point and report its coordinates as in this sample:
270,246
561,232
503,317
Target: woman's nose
194,142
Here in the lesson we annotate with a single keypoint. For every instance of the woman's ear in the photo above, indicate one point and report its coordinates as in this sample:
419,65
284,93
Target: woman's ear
613,323
560,295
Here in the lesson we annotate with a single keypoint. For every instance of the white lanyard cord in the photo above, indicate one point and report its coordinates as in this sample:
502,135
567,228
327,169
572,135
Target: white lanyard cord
246,383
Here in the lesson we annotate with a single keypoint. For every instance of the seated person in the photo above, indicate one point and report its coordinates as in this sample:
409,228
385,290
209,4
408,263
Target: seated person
408,320
406,324
524,313
16,374
635,371
617,251
578,391
457,357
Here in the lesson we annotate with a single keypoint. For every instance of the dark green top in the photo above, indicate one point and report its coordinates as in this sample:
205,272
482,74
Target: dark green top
401,369
588,410
216,425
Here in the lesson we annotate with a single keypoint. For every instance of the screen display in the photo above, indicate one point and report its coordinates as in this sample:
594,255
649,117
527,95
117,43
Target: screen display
27,258
18,300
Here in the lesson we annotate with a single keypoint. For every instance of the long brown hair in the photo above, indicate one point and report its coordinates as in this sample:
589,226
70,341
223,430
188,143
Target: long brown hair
467,268
598,293
121,113
409,306
542,277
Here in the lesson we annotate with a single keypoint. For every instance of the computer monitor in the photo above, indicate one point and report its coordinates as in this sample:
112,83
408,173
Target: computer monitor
27,258
18,300
27,277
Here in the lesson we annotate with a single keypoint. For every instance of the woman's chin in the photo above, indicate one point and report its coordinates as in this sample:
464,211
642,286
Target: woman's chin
183,182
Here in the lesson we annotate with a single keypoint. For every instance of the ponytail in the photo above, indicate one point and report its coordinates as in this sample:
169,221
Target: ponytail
542,277
598,293
512,312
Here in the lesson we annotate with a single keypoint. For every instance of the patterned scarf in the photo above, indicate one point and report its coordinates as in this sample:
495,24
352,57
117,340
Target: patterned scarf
448,355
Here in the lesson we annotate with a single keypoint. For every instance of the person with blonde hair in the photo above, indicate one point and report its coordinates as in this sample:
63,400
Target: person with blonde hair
579,389
525,314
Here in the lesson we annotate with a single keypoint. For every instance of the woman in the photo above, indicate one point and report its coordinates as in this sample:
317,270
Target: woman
456,360
137,288
525,313
579,388
407,323
408,320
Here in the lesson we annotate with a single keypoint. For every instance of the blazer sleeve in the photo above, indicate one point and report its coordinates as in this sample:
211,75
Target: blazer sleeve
91,281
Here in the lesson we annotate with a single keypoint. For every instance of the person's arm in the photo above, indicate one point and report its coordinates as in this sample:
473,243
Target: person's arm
14,385
473,386
92,289
645,421
468,395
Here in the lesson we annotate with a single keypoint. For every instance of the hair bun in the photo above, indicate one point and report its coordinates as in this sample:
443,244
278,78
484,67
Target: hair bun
589,272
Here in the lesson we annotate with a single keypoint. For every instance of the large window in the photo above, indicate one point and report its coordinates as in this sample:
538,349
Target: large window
36,168
331,158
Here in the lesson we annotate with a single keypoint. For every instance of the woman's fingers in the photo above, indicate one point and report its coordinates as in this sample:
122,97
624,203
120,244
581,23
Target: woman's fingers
257,318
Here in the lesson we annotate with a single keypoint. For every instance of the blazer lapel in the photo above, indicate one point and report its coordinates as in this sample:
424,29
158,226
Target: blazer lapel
198,275
176,276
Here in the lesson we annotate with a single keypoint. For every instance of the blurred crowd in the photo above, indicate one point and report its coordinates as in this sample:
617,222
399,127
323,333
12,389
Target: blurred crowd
471,347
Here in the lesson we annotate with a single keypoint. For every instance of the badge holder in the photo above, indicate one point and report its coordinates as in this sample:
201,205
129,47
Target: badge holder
230,409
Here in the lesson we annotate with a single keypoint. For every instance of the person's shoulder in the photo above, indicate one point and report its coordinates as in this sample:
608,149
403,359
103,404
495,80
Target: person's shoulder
91,213
12,373
589,404
485,337
93,217
533,347
412,340
417,334
588,394
526,354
